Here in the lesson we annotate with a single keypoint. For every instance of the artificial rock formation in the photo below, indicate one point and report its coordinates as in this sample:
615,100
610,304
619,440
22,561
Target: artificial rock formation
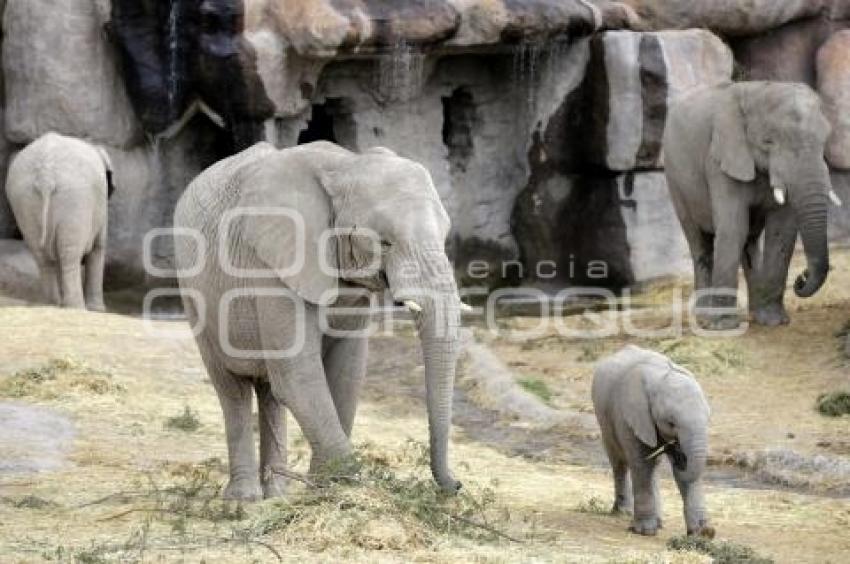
633,79
61,74
540,121
734,17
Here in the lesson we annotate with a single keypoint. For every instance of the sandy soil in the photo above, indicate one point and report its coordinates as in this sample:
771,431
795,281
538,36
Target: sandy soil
552,487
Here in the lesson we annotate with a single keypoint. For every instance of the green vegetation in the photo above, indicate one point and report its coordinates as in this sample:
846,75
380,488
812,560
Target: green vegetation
594,504
187,421
537,387
720,552
834,404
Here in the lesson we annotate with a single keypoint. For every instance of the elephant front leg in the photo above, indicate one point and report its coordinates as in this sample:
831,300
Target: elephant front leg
696,516
272,441
768,292
646,520
94,277
345,366
729,245
293,345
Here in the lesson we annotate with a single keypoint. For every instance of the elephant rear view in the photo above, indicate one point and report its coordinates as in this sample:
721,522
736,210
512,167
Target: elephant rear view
58,189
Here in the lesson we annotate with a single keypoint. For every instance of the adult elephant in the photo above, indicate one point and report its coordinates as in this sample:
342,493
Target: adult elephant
58,189
287,243
741,160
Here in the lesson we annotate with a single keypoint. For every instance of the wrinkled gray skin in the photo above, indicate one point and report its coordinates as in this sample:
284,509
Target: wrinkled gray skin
330,187
58,189
732,153
643,400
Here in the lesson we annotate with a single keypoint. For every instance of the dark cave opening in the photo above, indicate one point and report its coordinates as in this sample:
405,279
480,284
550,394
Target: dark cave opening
331,121
459,122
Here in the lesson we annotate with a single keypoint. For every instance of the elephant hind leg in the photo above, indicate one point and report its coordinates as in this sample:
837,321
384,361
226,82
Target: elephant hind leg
622,488
94,274
50,282
71,281
235,394
622,484
272,440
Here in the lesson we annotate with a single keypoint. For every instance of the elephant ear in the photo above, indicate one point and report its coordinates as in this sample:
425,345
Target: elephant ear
287,230
107,164
729,145
636,409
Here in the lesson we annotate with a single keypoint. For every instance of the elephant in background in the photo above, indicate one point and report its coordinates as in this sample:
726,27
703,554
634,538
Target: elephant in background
332,189
647,405
58,189
741,160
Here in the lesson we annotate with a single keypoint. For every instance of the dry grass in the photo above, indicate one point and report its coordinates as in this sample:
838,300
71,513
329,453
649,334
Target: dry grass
59,377
137,491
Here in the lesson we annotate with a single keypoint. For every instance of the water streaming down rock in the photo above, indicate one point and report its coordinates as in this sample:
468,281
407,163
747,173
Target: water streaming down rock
173,53
400,72
162,248
526,70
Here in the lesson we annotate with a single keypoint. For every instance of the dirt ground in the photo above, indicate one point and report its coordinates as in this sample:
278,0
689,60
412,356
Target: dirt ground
141,475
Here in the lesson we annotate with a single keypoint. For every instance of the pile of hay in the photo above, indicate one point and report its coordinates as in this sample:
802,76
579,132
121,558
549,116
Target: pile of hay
58,378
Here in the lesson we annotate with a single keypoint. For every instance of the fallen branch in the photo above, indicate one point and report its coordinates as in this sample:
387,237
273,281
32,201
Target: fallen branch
484,527
288,474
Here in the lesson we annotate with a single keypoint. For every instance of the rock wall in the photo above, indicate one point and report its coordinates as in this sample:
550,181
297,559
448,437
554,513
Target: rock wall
540,120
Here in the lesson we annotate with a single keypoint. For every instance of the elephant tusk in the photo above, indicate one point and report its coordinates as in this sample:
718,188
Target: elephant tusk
833,197
466,308
413,306
779,196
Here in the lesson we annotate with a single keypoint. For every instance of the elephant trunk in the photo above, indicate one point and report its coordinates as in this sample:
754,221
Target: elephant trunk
811,211
424,275
440,353
694,446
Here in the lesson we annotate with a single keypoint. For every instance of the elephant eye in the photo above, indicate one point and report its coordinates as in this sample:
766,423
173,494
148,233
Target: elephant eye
386,244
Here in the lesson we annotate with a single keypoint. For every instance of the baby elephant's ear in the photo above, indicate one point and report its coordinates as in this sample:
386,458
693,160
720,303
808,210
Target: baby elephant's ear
636,410
729,145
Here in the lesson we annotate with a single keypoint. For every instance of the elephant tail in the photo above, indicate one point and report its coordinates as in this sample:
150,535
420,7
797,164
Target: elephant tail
45,212
46,187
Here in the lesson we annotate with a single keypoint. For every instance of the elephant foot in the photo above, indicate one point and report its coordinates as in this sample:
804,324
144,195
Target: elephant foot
274,484
771,315
243,489
98,307
334,469
702,530
646,526
621,508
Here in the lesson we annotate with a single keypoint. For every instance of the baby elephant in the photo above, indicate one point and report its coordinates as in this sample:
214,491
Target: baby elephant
646,406
58,189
